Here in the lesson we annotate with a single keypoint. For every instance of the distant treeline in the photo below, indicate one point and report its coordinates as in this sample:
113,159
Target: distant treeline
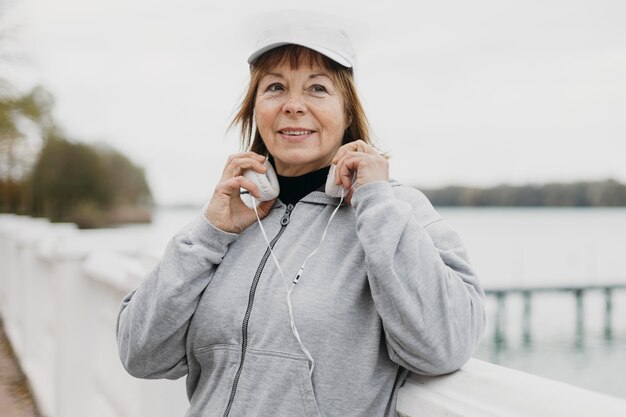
607,193
62,179
90,185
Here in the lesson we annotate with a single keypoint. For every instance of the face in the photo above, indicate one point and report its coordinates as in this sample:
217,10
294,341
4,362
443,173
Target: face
300,116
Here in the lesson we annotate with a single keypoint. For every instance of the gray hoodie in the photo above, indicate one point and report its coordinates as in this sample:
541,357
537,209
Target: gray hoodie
390,290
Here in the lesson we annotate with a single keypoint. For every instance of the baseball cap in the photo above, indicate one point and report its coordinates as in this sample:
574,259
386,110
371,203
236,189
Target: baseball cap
320,32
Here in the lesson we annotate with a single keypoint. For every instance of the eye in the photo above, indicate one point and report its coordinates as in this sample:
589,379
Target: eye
318,89
275,87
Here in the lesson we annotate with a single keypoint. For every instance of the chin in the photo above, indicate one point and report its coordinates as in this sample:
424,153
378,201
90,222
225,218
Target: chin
299,156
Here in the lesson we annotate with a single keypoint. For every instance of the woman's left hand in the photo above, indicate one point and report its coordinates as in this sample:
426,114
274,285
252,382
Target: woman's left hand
364,160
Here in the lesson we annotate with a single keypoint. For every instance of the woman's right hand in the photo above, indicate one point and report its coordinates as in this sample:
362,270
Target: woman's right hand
226,210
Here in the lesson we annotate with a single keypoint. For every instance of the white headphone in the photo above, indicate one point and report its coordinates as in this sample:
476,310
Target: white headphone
267,183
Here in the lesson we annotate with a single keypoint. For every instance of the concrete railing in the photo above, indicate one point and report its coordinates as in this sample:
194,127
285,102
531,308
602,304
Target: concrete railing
482,389
60,291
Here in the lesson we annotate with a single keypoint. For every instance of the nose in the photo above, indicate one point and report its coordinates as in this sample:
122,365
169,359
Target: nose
294,104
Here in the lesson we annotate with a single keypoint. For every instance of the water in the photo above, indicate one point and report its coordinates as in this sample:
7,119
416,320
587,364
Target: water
535,247
552,247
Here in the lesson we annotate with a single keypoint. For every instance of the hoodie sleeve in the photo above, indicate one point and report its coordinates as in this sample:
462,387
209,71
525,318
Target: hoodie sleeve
153,320
427,294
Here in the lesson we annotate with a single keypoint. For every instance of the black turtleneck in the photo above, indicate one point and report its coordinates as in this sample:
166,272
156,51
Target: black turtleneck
292,189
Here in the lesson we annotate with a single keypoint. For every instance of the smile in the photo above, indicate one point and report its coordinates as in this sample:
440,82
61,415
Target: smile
296,132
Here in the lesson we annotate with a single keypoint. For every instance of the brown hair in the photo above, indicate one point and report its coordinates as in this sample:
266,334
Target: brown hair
296,55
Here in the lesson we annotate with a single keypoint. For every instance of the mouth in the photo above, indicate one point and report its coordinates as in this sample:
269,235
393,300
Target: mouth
295,132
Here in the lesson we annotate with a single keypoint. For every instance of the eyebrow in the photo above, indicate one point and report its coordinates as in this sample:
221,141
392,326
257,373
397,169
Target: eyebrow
320,75
279,75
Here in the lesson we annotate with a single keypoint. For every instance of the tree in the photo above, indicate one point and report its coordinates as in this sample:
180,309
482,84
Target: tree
15,113
92,186
22,119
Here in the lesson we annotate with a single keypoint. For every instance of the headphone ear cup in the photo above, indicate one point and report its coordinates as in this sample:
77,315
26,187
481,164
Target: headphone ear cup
331,189
266,183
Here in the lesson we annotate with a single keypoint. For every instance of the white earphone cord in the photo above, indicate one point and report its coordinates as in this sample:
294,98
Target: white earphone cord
289,289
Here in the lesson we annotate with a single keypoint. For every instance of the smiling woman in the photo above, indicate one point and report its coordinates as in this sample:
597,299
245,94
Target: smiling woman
300,116
388,288
291,81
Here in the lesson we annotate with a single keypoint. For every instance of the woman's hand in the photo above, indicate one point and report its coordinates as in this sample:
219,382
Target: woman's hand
226,210
360,158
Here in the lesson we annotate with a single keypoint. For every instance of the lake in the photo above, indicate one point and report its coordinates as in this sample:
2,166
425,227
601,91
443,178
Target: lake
531,247
552,247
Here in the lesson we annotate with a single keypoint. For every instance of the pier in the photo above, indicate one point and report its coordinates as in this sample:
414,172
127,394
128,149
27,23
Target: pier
527,293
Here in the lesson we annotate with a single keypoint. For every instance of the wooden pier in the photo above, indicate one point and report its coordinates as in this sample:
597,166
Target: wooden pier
578,291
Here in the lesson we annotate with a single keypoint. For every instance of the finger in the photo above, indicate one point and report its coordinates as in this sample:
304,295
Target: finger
341,162
348,198
239,165
359,145
241,156
264,207
338,155
232,186
252,155
365,147
349,165
340,166
354,146
246,184
341,152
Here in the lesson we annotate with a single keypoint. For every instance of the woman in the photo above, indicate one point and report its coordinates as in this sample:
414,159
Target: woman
388,291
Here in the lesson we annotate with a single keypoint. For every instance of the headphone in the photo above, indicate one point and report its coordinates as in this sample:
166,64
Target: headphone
267,183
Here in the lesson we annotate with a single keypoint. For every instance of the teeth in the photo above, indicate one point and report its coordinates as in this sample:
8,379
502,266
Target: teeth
297,132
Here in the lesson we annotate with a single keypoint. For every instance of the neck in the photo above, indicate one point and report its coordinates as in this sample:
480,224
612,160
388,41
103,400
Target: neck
294,188
296,170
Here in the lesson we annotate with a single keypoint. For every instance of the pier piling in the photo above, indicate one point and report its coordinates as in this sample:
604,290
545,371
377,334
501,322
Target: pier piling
580,316
608,312
527,293
526,320
499,336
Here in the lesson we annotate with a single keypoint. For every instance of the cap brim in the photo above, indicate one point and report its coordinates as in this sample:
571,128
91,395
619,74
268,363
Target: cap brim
324,51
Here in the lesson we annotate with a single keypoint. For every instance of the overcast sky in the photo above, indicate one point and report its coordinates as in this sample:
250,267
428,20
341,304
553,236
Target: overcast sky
475,93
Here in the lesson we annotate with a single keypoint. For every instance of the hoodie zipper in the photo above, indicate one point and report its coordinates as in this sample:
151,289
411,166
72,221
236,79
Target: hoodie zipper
284,221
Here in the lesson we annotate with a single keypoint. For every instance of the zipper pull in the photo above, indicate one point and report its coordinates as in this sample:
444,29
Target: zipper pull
298,275
285,219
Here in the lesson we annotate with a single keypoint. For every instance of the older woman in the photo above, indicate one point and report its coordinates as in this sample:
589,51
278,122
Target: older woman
389,290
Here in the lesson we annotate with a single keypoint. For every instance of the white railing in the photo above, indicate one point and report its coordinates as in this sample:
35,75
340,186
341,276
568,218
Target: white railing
60,291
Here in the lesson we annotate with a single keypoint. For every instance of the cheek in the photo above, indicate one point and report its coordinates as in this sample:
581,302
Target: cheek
336,123
263,115
335,115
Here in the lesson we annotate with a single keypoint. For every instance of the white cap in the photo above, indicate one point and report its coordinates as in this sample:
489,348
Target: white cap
319,32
